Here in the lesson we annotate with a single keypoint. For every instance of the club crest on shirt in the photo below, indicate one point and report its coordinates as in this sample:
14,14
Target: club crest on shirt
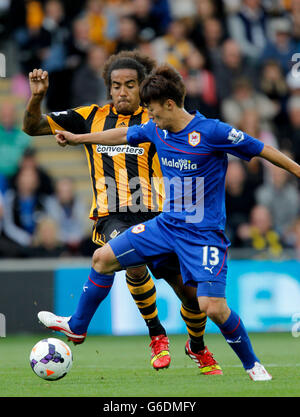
236,136
194,138
139,228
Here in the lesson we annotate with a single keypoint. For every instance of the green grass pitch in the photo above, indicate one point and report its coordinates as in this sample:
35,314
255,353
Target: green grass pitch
110,366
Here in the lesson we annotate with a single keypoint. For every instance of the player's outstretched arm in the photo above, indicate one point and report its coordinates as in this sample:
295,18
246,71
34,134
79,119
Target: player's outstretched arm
107,137
34,123
280,159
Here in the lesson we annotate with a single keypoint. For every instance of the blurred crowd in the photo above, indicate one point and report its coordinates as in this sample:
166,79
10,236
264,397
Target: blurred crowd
240,62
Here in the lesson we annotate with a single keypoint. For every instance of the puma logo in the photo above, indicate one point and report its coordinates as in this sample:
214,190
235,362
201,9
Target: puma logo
209,269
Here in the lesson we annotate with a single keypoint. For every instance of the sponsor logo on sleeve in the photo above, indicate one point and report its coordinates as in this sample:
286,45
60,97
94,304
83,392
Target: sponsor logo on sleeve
235,136
115,233
60,113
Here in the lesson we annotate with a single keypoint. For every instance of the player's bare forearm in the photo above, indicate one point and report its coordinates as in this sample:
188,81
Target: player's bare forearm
280,159
107,137
34,122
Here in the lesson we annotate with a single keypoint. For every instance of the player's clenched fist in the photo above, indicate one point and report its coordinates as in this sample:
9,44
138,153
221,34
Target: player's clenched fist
64,138
39,82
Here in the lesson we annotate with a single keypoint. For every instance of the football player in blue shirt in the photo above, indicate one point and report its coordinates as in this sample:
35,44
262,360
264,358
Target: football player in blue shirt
193,154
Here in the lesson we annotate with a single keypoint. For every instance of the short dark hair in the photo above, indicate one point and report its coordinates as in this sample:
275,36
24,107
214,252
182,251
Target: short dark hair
127,60
162,84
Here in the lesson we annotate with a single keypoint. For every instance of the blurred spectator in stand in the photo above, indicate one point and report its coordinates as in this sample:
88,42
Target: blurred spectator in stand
245,97
282,46
87,84
280,195
152,17
256,168
292,138
23,207
12,144
32,39
293,6
295,18
180,9
102,24
255,173
231,6
4,20
174,47
200,86
69,213
53,57
46,243
287,129
249,28
260,235
128,37
141,14
204,11
275,8
274,86
293,82
29,160
78,44
72,9
214,35
16,19
146,47
250,123
54,23
207,31
8,248
239,199
231,66
161,16
293,238
119,7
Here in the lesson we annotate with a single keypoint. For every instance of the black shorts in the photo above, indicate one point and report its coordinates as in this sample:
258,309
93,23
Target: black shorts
109,227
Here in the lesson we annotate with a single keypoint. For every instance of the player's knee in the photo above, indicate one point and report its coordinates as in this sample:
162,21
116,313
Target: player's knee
188,297
102,261
214,315
136,273
215,308
190,303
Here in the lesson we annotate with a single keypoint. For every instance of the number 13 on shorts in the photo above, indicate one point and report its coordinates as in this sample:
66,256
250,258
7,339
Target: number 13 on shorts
210,256
214,261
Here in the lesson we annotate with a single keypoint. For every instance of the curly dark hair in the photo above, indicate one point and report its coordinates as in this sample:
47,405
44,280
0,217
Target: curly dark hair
127,60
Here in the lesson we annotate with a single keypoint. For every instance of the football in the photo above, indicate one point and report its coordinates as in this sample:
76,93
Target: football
51,359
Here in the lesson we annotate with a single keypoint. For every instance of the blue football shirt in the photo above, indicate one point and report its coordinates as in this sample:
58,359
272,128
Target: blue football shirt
194,163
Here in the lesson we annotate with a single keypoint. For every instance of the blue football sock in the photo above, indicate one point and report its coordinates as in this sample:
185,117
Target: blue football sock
95,290
236,336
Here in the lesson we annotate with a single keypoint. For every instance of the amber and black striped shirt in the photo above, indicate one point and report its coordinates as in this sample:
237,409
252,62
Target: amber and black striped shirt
123,177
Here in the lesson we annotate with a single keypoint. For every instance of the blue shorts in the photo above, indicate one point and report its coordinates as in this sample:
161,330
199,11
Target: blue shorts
202,254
